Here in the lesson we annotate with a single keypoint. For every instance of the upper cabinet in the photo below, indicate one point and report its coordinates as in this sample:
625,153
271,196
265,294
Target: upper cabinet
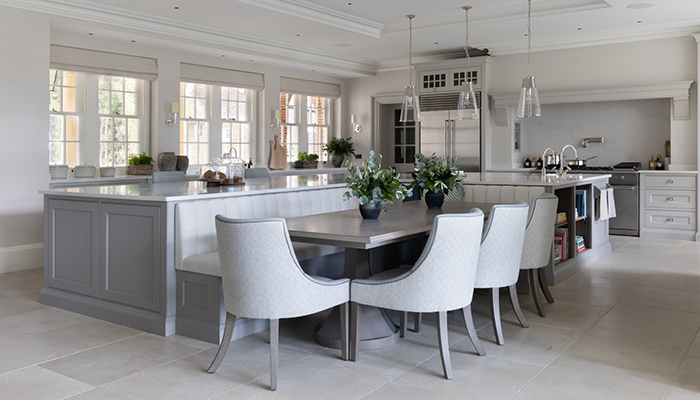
448,80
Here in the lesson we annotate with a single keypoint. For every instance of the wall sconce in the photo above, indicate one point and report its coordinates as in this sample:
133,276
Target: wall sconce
276,116
173,110
355,126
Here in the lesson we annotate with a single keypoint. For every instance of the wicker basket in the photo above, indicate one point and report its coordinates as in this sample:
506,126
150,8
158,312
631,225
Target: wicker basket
310,164
139,169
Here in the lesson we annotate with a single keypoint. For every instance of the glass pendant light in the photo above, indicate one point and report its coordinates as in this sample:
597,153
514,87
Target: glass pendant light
529,104
410,109
467,108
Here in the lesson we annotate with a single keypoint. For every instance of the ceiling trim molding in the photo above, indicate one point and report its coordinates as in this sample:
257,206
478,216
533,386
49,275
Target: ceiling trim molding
117,17
321,14
678,92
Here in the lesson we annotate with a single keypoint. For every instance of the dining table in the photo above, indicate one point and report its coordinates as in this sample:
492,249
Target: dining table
365,241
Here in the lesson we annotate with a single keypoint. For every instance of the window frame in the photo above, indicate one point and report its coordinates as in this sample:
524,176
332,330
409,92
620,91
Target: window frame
303,126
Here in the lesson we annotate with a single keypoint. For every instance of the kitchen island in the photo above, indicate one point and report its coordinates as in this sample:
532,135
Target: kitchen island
593,232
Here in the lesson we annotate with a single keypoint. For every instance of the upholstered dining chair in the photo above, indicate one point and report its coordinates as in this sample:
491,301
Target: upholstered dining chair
441,280
169,176
499,258
537,250
262,279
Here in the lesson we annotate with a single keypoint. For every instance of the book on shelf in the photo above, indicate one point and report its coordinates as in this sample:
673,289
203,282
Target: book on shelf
557,249
580,244
561,218
562,235
580,203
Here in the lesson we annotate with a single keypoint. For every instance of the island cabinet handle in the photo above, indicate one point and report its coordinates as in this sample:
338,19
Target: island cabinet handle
669,198
669,181
669,219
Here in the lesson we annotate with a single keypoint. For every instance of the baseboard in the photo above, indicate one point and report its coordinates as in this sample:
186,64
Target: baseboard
20,258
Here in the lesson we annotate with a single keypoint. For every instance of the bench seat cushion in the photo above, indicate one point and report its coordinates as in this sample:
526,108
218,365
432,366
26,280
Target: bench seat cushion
208,263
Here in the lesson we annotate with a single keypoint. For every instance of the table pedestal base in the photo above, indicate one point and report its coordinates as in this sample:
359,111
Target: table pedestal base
377,330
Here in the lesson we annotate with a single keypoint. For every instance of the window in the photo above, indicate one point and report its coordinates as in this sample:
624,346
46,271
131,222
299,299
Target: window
404,140
236,121
120,122
66,109
194,121
316,121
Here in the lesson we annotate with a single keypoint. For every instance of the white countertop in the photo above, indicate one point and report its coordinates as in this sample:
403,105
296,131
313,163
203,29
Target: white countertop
195,190
532,179
667,172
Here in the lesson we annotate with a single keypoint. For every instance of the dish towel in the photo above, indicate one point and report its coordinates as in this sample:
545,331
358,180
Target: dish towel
602,206
611,203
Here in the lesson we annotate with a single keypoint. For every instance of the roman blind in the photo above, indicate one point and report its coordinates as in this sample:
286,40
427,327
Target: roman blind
103,63
221,76
309,88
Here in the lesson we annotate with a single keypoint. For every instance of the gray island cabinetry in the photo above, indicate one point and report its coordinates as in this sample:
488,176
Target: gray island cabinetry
111,251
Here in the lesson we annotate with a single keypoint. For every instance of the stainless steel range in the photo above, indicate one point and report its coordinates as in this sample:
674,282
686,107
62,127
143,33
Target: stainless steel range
625,182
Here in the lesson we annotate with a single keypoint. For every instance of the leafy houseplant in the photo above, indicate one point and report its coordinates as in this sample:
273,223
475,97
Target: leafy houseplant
306,160
139,164
337,149
438,175
373,186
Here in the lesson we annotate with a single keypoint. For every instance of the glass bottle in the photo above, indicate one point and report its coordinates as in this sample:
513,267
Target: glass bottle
539,162
652,163
527,163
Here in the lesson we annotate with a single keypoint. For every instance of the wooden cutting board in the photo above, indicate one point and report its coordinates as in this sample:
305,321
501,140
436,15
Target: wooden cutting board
278,155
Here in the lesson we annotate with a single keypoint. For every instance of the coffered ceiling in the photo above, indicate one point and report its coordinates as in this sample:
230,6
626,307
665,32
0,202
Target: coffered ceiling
361,37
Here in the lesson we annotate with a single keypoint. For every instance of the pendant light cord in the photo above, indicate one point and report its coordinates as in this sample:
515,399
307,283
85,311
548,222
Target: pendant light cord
466,40
410,48
529,35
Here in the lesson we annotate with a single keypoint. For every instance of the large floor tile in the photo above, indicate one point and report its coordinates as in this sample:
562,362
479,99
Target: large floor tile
686,384
607,279
593,295
654,322
560,314
675,275
38,383
475,378
120,359
694,349
575,377
32,323
88,334
17,303
631,350
668,299
29,350
630,261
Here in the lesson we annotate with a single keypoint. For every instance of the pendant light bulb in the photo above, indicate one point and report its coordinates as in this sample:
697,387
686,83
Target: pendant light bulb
529,104
467,107
410,108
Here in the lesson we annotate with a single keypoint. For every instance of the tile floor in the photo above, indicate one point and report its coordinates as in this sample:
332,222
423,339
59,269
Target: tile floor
624,328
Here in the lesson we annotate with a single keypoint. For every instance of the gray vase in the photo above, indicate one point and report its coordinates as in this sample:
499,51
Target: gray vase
183,162
370,211
167,161
336,160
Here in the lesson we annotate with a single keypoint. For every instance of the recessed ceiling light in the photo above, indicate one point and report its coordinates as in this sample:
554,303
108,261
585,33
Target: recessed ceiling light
298,35
580,29
133,41
639,6
342,45
223,55
90,33
176,7
350,4
436,42
639,21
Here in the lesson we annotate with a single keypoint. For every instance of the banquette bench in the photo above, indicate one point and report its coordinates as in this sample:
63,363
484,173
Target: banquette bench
200,310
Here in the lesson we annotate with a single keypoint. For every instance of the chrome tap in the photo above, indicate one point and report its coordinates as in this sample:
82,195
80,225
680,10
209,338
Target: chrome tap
544,167
562,171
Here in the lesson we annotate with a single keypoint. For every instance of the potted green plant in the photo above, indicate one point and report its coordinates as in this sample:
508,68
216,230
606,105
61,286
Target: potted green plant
337,149
373,186
436,177
306,160
139,164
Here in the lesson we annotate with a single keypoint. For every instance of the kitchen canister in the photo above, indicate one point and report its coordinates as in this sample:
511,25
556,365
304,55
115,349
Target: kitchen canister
58,171
183,162
84,171
167,161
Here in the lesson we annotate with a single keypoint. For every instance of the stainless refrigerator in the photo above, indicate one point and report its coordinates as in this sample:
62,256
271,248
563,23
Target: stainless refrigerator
445,135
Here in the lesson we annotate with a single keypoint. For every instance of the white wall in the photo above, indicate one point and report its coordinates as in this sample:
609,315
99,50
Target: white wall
24,137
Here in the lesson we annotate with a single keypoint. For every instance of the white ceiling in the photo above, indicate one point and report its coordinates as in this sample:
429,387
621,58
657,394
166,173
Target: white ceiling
360,37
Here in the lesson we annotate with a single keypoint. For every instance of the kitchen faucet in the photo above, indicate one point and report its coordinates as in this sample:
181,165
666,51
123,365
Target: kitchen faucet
544,157
561,171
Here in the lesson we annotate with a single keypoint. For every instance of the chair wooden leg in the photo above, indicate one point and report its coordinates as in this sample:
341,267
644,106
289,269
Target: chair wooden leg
274,350
417,320
513,294
444,344
225,342
469,324
403,321
354,331
533,278
496,316
345,330
544,286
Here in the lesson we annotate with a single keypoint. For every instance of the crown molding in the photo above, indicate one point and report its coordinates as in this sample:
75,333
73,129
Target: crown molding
321,14
118,17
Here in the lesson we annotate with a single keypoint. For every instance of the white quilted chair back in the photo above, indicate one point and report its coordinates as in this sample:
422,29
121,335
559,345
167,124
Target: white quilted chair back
443,277
537,249
261,277
502,246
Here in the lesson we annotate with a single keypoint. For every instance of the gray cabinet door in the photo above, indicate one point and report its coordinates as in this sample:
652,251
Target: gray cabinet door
131,255
73,250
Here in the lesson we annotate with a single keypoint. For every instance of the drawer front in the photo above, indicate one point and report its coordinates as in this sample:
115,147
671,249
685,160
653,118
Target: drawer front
670,199
676,220
670,181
